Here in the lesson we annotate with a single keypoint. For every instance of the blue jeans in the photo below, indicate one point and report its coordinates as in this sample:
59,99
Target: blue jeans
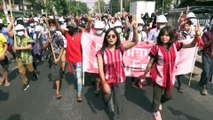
207,64
77,67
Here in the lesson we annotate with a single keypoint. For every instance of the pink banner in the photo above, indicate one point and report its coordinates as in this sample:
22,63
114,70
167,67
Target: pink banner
135,59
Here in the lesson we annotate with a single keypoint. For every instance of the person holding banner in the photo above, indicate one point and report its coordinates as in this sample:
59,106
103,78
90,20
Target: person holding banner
185,35
111,69
162,65
207,55
153,33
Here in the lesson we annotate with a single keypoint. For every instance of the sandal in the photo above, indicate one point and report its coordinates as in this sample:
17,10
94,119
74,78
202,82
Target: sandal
58,96
7,84
79,99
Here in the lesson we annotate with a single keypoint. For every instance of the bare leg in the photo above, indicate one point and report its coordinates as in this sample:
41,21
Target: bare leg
5,77
58,95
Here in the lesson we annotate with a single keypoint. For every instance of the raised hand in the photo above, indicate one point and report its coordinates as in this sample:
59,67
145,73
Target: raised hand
134,23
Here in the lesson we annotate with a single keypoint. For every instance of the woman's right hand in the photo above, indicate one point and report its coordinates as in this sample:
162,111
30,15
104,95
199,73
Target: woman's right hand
106,88
142,76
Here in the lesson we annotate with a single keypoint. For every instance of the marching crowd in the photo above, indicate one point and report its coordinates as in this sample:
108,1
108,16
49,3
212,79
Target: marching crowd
28,39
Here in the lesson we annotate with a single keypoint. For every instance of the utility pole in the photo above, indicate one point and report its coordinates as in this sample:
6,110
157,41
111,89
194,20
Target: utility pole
162,7
121,6
99,6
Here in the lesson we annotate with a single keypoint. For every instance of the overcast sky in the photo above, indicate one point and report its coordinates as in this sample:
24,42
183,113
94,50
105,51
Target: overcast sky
91,3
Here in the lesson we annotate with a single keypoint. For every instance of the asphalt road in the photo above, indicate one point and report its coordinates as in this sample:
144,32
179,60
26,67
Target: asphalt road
39,103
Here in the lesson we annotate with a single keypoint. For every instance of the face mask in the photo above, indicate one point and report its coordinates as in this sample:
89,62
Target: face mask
140,28
194,21
31,24
38,28
161,26
52,29
20,33
118,30
99,32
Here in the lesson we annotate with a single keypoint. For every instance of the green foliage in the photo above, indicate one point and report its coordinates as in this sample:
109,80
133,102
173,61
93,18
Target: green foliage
66,7
2,16
115,6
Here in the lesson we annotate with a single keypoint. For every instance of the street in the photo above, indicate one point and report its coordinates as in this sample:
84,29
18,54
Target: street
39,102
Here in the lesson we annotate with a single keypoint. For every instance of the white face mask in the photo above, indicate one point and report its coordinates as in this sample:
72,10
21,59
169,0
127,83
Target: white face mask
99,32
161,26
140,28
118,30
31,24
194,21
53,29
20,33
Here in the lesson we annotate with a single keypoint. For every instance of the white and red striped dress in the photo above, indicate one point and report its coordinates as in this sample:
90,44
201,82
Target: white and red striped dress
113,65
163,70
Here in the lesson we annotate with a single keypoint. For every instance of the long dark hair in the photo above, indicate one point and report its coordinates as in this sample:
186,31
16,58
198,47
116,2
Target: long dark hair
105,43
171,33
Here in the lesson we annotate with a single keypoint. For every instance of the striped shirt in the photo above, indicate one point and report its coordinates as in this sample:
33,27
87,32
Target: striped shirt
24,55
113,65
163,70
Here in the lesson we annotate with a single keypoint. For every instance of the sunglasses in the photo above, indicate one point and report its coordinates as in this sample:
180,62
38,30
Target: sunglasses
111,36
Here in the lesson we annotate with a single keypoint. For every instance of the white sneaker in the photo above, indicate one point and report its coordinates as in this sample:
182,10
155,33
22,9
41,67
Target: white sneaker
160,107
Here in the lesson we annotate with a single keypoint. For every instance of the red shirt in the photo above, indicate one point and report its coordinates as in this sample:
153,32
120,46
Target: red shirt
113,65
73,50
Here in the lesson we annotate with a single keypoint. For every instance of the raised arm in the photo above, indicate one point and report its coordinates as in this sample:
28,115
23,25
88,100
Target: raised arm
135,35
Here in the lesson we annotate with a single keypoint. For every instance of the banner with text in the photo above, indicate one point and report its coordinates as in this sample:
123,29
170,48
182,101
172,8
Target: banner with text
135,59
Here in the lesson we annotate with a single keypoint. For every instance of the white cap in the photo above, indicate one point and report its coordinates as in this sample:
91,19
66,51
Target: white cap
190,15
51,17
140,21
36,19
161,19
1,21
117,24
19,27
99,25
61,19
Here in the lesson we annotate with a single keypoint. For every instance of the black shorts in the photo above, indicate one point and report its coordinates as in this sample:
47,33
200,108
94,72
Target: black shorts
5,63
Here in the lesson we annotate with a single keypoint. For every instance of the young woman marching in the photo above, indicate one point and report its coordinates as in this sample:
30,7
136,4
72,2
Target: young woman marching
111,69
161,66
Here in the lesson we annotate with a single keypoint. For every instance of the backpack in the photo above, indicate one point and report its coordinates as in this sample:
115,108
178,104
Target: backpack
38,48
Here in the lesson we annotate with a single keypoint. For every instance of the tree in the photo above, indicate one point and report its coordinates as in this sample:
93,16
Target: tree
115,7
66,7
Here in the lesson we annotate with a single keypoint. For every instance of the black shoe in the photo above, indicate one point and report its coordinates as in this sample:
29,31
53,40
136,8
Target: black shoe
25,87
180,89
